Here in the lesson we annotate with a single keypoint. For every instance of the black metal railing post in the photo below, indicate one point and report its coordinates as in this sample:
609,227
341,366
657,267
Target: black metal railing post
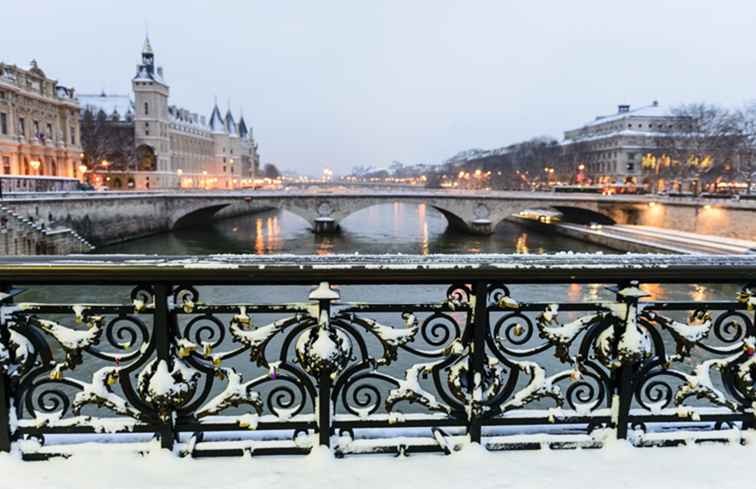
162,331
628,293
750,424
324,409
5,393
479,324
324,295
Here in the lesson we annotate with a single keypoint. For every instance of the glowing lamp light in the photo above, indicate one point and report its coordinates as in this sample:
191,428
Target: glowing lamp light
652,204
35,164
204,172
105,163
179,171
707,206
83,168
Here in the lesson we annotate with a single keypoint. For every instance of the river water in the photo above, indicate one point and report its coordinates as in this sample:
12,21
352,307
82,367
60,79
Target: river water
390,228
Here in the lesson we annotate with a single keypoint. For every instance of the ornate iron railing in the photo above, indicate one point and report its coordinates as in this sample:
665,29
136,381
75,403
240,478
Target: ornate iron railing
225,355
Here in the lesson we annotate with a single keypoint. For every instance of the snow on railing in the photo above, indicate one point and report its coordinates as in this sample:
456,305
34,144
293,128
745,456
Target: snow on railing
236,354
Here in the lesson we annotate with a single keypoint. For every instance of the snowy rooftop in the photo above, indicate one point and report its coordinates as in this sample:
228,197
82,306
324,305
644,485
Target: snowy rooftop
110,104
653,110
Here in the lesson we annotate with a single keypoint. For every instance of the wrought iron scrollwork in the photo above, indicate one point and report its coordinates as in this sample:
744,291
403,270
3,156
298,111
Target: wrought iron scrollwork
164,361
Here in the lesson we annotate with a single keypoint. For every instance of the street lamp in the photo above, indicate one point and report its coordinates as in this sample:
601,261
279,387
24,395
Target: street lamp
83,170
35,164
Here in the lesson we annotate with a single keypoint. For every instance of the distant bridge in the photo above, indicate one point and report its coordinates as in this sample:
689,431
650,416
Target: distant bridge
108,217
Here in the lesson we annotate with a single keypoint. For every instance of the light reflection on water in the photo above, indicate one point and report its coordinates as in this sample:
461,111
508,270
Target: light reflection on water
389,228
393,228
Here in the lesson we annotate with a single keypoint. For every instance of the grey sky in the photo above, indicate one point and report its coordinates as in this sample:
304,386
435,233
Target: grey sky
358,82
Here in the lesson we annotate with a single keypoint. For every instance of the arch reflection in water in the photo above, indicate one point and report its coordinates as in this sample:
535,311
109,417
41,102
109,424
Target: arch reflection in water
388,228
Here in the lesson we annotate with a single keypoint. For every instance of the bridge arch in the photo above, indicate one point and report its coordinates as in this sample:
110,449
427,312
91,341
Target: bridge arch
196,216
453,219
581,215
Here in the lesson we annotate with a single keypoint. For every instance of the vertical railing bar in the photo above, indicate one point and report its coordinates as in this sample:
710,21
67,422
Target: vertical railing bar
749,425
477,358
324,379
5,394
624,378
161,330
324,408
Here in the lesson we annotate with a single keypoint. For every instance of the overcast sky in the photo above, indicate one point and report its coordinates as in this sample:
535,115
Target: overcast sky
327,83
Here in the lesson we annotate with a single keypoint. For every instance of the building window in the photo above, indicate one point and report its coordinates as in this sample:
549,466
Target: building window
146,108
73,135
146,128
6,165
21,126
3,123
2,95
49,131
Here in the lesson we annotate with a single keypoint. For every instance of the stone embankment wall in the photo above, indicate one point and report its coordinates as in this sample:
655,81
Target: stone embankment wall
105,221
730,221
20,235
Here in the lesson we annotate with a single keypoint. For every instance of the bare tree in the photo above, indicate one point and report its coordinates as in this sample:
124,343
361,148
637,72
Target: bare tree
745,119
271,171
104,139
699,147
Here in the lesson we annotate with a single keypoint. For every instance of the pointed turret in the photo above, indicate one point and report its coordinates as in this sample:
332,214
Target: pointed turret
147,70
147,49
243,131
217,124
231,127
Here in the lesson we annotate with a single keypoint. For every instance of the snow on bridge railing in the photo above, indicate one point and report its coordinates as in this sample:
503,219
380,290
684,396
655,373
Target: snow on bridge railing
225,355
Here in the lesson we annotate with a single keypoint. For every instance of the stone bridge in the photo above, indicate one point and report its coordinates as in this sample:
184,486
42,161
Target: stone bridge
464,212
104,218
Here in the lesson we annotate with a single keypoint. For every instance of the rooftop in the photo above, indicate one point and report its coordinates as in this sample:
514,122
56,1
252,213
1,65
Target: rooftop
624,111
122,105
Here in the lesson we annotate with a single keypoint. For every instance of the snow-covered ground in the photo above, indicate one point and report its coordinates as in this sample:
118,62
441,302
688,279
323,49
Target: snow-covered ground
615,466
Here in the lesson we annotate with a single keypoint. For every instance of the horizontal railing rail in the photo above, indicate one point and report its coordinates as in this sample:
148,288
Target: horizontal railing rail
223,355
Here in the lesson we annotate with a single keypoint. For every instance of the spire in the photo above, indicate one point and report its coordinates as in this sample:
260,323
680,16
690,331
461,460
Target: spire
217,124
147,49
231,124
243,132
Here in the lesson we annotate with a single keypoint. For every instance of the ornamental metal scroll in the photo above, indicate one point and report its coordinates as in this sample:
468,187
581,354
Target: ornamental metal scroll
165,362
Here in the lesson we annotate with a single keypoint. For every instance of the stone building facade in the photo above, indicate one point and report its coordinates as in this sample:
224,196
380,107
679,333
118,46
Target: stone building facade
174,147
612,146
39,124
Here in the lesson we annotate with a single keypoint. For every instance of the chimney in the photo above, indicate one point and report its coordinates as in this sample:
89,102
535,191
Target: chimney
622,109
655,103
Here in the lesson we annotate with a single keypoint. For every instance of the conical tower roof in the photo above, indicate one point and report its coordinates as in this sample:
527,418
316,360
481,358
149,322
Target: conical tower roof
217,124
231,124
